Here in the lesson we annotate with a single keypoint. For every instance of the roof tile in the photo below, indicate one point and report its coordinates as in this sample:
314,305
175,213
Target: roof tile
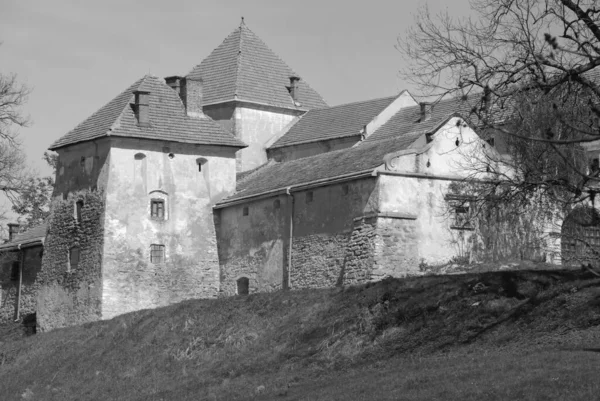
275,176
243,67
168,120
333,122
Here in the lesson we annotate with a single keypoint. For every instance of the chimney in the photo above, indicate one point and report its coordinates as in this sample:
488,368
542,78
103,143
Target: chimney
191,94
175,83
426,109
142,108
13,229
295,88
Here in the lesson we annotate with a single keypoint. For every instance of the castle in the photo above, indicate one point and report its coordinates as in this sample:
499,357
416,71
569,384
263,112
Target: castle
239,178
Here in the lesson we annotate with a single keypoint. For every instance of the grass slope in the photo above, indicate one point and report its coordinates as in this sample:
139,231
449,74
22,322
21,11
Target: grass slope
505,335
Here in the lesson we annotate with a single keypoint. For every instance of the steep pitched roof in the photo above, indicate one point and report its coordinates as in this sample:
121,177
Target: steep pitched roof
244,68
276,176
168,120
333,122
407,120
31,237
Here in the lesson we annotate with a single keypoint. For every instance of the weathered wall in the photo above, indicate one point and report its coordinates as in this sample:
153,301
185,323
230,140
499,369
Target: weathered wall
254,245
255,125
191,268
310,149
69,296
32,264
322,230
223,114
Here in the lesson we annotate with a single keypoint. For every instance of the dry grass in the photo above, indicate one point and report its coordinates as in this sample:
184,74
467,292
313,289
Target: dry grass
420,337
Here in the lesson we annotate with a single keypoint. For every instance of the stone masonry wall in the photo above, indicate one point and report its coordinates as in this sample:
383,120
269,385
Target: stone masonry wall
359,259
318,259
9,288
254,245
69,296
395,248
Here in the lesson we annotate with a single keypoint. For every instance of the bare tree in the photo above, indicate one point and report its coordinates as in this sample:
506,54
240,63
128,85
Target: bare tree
528,74
14,174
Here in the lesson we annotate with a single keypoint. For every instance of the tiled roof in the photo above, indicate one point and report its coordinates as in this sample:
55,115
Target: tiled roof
333,122
30,237
327,165
244,68
407,120
168,120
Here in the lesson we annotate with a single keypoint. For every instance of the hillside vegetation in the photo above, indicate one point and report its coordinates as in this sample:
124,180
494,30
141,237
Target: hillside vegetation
504,335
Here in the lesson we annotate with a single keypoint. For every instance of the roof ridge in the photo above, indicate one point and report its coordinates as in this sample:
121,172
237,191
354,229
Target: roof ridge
238,61
357,102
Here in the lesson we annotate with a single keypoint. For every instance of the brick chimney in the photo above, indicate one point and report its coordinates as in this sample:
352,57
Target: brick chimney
295,88
175,83
191,93
142,108
13,229
426,109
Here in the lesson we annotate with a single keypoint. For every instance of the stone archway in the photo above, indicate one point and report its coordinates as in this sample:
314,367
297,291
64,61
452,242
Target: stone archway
580,238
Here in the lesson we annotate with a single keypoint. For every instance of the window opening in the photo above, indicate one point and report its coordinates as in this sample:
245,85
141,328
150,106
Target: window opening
78,207
245,211
345,189
157,209
243,285
73,258
14,271
461,217
309,197
277,204
157,253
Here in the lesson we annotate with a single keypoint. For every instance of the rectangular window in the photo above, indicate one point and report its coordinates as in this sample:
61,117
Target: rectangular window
309,197
461,217
345,189
14,271
157,209
78,207
157,253
245,211
73,258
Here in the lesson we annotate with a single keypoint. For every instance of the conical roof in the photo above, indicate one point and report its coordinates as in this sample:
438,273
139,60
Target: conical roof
244,68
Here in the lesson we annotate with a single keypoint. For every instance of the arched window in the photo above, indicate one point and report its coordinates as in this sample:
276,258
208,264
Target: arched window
243,285
159,206
139,156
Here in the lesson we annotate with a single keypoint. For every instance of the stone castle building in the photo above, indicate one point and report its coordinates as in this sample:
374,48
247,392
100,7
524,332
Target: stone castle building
238,178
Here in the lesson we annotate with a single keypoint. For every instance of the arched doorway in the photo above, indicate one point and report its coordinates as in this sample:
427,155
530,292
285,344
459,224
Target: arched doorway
243,285
580,238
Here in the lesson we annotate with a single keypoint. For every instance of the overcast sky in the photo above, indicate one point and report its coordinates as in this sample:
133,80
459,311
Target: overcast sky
77,55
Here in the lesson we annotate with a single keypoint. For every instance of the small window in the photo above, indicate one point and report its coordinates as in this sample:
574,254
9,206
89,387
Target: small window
78,207
201,161
276,204
73,258
157,209
345,189
243,285
139,156
309,197
245,211
14,271
157,253
461,217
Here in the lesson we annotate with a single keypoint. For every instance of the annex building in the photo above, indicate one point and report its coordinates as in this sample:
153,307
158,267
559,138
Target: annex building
239,178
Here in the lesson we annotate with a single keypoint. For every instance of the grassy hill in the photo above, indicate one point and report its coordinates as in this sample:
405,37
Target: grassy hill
527,335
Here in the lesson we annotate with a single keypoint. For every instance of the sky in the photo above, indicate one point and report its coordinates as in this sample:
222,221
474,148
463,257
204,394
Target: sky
77,55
